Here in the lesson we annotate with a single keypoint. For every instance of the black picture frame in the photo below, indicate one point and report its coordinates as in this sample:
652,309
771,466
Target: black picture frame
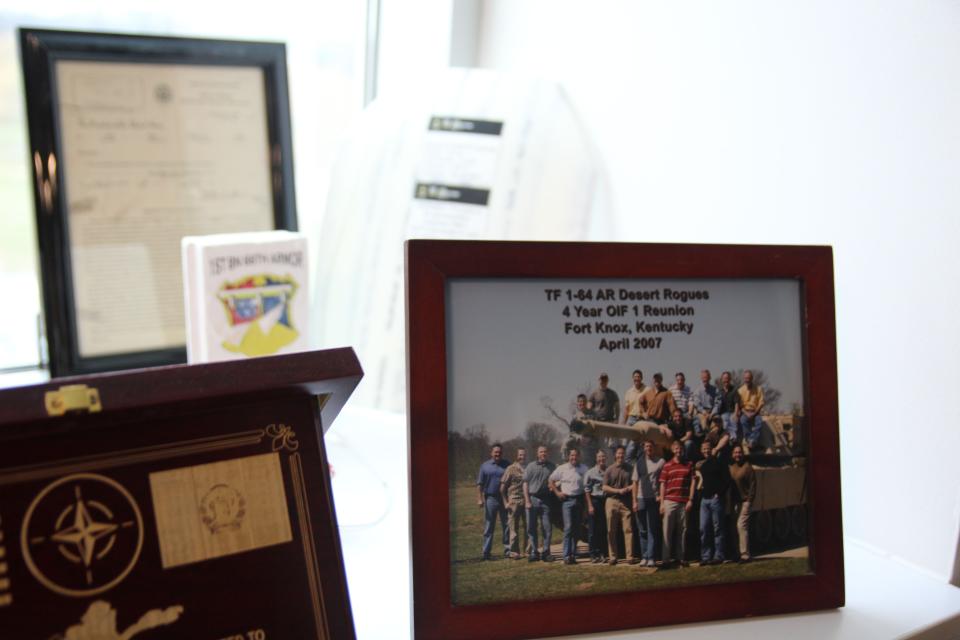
41,50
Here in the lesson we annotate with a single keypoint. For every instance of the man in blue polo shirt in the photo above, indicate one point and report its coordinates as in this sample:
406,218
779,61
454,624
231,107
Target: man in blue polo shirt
489,499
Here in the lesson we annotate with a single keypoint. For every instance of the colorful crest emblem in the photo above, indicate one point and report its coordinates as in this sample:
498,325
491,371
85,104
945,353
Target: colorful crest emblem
258,308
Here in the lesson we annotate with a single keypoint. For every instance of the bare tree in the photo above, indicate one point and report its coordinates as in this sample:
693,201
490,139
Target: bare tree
467,451
547,403
477,432
510,447
541,434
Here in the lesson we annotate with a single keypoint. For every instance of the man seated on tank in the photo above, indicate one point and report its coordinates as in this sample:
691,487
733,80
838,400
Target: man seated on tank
583,412
587,444
718,439
728,405
605,404
682,431
660,402
633,403
682,395
604,401
706,403
751,405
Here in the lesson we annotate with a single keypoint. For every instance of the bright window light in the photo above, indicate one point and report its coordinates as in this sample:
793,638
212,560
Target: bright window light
325,59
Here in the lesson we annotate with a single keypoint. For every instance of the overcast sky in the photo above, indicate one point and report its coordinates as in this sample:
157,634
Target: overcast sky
507,345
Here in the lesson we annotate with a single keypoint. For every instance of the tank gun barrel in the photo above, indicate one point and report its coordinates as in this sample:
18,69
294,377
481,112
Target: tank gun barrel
639,431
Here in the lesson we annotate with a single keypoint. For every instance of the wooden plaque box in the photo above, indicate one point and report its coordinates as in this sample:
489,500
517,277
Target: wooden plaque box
182,501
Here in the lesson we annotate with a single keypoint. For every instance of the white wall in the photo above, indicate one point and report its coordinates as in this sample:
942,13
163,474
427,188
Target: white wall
809,122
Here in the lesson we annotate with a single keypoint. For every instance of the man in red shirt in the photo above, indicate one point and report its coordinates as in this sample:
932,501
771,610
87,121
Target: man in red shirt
676,501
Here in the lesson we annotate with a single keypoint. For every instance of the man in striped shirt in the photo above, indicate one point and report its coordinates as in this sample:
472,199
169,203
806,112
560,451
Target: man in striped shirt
676,501
682,395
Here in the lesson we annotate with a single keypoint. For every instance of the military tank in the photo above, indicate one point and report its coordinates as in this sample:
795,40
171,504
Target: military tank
780,507
779,461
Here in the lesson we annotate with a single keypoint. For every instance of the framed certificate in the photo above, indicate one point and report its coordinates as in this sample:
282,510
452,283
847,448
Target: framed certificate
608,436
136,142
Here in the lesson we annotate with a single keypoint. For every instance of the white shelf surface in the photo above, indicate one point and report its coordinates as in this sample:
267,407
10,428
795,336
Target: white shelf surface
886,598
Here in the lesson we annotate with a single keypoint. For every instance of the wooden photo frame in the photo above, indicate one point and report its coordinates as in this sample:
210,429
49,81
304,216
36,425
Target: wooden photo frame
501,339
135,142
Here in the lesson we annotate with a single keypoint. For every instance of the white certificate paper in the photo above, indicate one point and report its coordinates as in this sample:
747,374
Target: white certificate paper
152,153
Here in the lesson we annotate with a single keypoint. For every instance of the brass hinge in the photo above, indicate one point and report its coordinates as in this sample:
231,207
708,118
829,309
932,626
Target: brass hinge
73,397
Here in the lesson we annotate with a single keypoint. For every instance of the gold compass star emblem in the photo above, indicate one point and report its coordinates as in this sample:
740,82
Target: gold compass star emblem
88,520
86,532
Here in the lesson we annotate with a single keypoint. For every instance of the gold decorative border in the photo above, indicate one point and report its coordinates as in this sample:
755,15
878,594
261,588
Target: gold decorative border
29,473
284,437
309,550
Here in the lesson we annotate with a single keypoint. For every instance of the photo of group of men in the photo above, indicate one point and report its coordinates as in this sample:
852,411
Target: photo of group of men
618,484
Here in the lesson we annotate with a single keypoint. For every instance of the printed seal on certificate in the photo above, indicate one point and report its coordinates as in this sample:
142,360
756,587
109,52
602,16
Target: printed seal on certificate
223,508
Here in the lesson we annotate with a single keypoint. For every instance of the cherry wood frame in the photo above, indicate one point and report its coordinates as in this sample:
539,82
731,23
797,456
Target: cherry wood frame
429,263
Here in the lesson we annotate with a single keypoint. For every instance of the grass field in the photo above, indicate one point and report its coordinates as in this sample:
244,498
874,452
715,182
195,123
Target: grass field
477,582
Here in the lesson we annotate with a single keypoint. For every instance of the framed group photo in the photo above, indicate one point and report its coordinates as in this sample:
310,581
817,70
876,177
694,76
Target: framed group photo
612,436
